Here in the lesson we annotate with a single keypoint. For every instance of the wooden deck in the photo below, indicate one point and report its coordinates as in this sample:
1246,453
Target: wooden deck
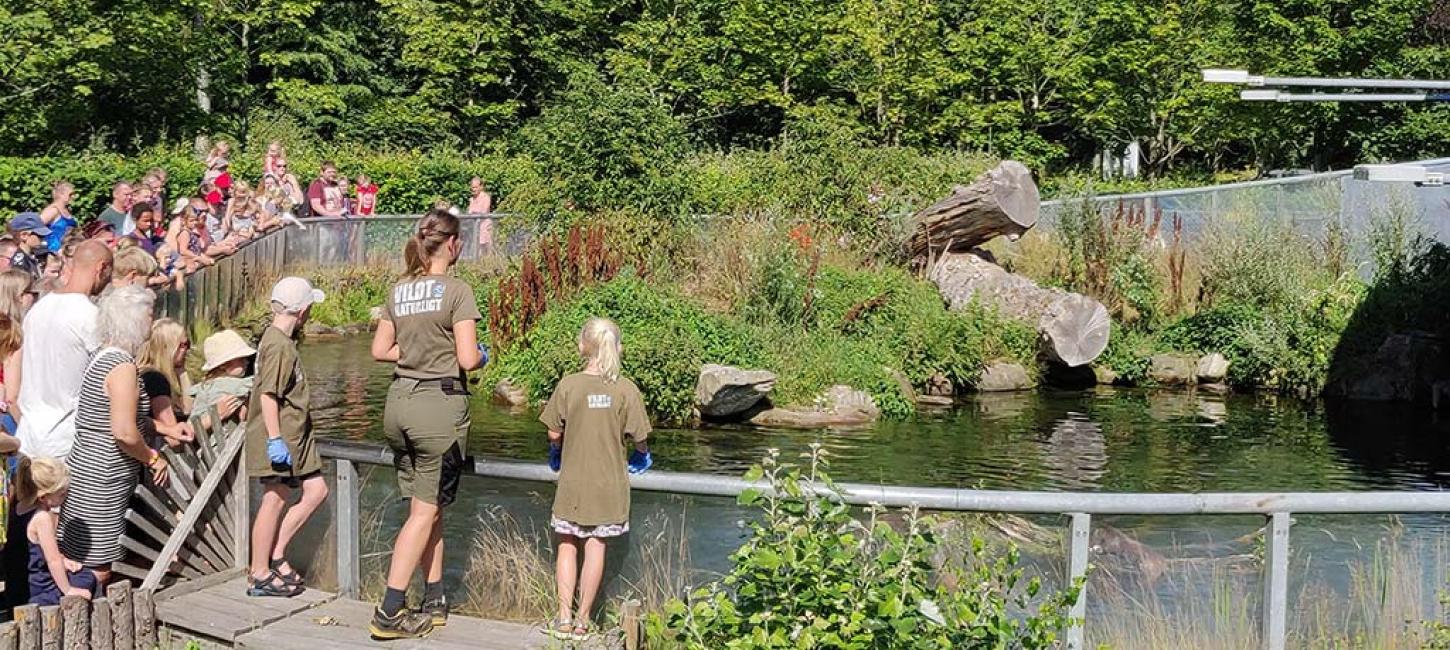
224,616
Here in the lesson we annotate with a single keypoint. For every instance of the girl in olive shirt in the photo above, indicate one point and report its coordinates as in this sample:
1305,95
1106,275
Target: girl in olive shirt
589,416
428,329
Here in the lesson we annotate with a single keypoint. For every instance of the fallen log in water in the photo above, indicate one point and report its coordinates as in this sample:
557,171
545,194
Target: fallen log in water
1074,328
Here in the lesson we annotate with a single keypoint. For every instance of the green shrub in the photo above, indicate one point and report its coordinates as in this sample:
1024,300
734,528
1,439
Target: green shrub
666,339
812,575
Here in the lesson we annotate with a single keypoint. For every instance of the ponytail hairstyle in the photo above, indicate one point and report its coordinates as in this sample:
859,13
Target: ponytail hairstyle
39,477
599,344
434,230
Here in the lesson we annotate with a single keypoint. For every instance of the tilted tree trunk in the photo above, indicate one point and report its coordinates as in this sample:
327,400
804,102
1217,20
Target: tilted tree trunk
1002,201
1073,327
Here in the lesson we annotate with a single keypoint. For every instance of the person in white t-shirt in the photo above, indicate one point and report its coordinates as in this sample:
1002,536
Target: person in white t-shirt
59,338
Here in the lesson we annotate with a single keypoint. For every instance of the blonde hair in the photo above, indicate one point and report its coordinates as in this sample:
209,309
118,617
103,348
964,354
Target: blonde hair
39,477
159,353
133,260
14,284
599,344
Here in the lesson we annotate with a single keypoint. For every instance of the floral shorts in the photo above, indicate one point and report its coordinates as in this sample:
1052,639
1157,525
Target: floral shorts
603,530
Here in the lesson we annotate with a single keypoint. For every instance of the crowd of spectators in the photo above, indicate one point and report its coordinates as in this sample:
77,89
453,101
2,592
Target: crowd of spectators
189,232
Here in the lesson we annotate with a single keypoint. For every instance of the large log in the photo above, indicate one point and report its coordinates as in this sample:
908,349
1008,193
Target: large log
1002,201
1073,327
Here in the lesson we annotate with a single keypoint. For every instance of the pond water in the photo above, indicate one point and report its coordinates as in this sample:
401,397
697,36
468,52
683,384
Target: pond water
1106,439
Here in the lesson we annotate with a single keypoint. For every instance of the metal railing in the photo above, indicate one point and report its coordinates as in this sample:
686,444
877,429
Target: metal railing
1080,507
217,294
1309,202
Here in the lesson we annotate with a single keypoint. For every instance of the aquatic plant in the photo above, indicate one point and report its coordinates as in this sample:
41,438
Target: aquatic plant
813,575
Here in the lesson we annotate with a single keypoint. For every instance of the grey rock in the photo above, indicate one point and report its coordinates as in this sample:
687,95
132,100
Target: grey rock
839,406
318,330
1404,368
375,314
1212,368
1173,369
723,391
508,394
1001,376
1105,376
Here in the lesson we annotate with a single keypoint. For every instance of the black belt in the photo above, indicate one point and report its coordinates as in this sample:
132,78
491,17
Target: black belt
449,385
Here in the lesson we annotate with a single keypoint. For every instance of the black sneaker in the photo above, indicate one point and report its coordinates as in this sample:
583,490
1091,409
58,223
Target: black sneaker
436,609
404,625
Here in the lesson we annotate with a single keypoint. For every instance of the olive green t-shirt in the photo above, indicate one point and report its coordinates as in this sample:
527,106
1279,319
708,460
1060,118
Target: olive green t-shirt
279,373
423,311
595,416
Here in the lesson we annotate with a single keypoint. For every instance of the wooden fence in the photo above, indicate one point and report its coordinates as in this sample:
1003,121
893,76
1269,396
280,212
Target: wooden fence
121,620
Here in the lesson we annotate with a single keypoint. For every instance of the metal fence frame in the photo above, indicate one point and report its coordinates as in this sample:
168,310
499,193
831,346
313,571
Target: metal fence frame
1080,507
217,294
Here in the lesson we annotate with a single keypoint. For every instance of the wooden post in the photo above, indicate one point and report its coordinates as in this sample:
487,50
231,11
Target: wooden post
51,631
1077,567
27,618
1276,581
241,507
145,612
347,526
101,638
123,621
75,614
629,620
9,636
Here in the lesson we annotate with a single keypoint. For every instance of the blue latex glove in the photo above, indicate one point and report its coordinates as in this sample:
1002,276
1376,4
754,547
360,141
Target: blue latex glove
556,456
639,461
483,354
278,452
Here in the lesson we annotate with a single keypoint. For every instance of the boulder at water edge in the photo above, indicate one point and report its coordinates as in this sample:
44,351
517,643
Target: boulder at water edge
1173,369
508,394
840,406
725,391
1001,376
1212,368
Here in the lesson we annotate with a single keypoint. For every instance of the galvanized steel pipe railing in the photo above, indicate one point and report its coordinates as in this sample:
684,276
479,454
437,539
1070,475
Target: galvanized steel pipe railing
1080,507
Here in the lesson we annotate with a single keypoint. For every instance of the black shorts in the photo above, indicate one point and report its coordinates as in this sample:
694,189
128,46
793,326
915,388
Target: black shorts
292,482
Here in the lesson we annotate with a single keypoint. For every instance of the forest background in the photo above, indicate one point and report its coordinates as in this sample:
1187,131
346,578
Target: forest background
1048,82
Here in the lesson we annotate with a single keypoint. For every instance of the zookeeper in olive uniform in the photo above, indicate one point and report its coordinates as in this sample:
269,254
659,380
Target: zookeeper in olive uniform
429,329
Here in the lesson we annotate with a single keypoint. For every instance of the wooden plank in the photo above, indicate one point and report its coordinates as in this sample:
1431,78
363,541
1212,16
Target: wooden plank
343,624
27,617
154,503
101,638
193,512
197,584
146,527
123,621
9,636
240,499
629,620
144,609
52,632
223,611
75,614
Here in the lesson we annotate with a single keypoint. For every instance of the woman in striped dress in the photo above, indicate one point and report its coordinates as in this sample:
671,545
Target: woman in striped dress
110,448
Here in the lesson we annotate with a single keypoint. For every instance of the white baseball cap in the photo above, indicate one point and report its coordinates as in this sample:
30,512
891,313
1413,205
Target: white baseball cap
295,294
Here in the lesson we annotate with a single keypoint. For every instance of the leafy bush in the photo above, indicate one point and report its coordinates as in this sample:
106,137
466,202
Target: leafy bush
811,575
666,339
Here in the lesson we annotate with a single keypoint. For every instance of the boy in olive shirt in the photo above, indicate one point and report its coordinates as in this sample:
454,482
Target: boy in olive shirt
281,452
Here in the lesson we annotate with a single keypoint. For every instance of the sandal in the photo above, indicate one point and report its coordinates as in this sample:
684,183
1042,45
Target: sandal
270,587
561,629
581,631
291,578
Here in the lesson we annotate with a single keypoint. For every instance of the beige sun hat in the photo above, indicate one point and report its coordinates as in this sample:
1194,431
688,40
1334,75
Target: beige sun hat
222,347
